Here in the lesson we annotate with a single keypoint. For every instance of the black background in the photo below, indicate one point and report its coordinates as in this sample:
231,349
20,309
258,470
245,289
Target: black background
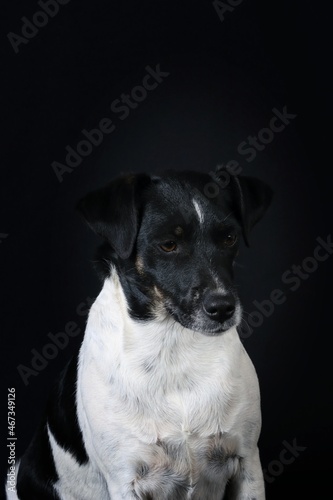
225,79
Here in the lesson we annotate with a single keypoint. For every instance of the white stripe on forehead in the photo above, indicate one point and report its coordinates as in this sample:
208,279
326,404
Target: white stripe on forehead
198,210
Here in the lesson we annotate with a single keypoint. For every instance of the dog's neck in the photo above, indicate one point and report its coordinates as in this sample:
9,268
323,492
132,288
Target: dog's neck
160,343
138,362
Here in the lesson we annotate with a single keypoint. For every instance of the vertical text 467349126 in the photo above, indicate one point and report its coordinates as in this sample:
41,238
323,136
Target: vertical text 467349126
11,441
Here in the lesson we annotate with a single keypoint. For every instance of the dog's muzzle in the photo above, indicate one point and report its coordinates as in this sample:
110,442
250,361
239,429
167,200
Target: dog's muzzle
219,306
211,313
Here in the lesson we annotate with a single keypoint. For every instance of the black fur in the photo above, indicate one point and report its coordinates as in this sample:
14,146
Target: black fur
37,471
138,216
156,207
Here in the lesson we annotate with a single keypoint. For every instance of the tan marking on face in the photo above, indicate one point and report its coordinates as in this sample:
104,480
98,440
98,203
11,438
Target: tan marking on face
179,231
159,295
139,265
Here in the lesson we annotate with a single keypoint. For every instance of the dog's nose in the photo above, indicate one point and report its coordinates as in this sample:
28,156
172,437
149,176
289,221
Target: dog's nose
219,306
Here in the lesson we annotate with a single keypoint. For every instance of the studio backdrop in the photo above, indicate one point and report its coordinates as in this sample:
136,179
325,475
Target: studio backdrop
96,89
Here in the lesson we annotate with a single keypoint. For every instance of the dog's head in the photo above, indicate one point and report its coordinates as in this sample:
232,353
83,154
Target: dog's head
173,239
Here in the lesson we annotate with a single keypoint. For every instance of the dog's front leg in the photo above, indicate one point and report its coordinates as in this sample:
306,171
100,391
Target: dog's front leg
248,483
160,483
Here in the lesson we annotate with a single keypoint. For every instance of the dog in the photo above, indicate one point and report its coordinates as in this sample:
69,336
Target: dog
162,400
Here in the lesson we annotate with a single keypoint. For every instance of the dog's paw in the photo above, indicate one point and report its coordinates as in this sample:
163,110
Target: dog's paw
159,482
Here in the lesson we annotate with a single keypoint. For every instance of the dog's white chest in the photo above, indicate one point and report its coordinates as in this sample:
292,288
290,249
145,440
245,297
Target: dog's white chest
155,402
172,442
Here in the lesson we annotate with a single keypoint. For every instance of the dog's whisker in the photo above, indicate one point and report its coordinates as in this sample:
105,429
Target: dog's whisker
227,217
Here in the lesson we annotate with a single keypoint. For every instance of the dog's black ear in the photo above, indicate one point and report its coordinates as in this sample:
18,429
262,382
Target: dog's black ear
251,198
113,211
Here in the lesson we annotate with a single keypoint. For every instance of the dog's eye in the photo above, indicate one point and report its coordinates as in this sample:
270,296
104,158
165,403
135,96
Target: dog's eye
168,246
229,240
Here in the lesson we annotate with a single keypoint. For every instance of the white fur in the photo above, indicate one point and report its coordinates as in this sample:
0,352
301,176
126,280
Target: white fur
199,211
140,384
12,495
76,481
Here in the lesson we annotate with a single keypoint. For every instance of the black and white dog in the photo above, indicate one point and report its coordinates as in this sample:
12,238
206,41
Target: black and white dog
162,401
